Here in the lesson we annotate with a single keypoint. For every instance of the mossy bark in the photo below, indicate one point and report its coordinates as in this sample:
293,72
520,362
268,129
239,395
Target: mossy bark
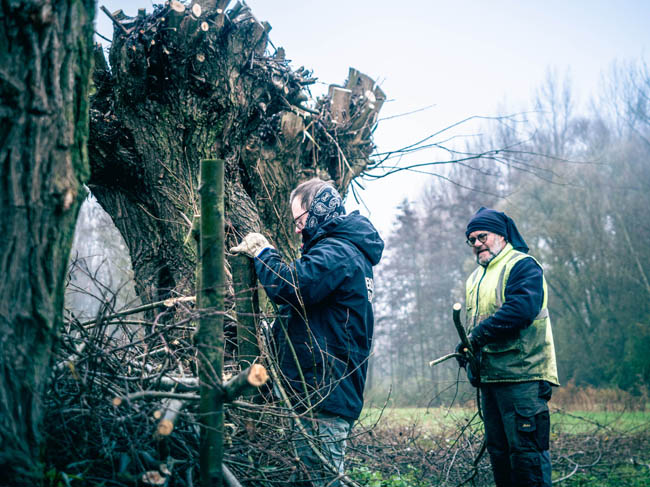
45,66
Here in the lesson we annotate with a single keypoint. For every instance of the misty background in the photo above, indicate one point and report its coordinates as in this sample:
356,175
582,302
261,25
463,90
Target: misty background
557,96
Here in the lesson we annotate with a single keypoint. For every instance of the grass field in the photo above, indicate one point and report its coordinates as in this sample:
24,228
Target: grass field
436,419
627,422
568,422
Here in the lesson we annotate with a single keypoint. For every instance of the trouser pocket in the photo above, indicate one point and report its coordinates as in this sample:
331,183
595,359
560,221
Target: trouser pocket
543,431
525,459
533,431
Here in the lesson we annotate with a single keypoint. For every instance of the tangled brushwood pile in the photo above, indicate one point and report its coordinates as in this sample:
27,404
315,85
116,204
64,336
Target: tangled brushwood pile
123,410
418,456
123,407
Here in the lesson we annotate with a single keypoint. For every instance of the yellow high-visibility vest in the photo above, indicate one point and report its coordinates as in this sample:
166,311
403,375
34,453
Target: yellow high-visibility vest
529,355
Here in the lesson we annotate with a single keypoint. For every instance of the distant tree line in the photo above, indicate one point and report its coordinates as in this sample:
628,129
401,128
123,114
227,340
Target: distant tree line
578,185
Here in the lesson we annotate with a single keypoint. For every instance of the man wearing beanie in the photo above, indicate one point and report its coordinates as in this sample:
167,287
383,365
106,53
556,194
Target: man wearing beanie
324,333
510,333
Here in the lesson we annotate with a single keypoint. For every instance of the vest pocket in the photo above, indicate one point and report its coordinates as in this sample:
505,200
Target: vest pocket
502,346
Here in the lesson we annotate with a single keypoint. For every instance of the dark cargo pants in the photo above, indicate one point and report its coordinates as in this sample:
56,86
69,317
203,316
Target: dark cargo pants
517,429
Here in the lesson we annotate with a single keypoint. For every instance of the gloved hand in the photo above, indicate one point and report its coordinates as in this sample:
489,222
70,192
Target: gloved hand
251,245
474,372
477,339
462,359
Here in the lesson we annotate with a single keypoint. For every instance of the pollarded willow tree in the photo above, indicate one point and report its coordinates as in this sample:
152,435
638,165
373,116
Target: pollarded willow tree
193,82
45,60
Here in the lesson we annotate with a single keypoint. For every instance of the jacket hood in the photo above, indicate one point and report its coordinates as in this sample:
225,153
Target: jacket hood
354,228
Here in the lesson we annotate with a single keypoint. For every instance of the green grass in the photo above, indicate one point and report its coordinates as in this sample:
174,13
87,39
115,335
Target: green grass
436,419
567,422
369,478
618,476
582,422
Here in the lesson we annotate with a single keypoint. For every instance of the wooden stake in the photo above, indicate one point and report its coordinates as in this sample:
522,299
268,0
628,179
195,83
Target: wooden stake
100,58
177,6
247,306
209,337
196,10
189,26
176,14
291,125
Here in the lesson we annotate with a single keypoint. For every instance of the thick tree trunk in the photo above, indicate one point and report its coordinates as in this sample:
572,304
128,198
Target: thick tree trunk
45,61
185,88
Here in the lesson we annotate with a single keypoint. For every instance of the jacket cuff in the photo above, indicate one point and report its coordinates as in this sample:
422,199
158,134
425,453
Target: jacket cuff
259,254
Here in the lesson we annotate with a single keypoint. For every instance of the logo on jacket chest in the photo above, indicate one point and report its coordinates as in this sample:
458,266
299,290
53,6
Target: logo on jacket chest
370,286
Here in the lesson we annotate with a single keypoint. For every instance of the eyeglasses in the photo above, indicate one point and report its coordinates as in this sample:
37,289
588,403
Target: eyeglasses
299,225
481,237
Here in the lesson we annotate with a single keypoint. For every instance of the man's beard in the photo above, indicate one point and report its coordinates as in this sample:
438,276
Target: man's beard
483,259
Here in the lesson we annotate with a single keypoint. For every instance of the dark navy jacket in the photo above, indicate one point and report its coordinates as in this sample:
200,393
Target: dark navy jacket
326,299
524,298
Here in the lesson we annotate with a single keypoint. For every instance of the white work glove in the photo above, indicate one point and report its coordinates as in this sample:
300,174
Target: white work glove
251,245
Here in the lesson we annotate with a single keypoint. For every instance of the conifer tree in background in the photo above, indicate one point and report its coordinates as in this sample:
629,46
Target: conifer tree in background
418,281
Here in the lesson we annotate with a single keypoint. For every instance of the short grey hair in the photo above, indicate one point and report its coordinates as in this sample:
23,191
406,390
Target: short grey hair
308,190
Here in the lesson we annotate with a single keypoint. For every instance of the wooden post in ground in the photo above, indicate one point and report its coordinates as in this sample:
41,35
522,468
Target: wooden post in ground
247,306
209,337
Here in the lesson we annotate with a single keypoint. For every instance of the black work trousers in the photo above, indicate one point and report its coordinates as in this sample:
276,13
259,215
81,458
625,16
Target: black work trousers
517,429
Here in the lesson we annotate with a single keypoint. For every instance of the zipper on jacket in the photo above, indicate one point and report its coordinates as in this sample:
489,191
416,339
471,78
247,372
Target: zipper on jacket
478,289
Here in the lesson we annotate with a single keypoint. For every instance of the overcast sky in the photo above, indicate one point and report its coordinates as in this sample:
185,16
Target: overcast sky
464,57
